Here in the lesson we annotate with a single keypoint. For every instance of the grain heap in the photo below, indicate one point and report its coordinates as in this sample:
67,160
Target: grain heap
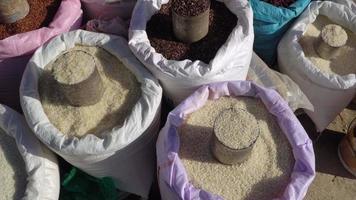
161,36
281,3
13,173
263,176
344,63
40,15
72,70
190,7
122,92
236,128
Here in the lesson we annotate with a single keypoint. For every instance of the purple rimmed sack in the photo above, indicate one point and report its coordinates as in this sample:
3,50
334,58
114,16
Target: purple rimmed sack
172,177
16,50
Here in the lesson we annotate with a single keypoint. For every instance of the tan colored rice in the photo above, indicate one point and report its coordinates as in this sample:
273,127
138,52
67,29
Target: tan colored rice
122,91
236,128
263,176
334,35
13,173
343,64
73,67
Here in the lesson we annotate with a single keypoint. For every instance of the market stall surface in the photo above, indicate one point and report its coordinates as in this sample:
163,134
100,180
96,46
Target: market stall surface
332,180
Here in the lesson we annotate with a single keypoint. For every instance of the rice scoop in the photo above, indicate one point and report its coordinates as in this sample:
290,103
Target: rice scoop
235,133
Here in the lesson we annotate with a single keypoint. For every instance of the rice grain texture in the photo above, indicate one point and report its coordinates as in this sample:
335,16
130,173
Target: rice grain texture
73,67
343,64
122,91
334,35
13,173
263,176
236,128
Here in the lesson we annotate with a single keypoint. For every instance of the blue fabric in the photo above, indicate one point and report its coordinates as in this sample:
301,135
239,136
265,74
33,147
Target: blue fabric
270,23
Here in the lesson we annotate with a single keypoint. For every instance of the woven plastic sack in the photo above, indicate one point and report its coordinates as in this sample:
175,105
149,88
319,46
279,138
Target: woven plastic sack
173,179
15,51
329,93
124,153
263,76
41,164
107,9
270,23
180,78
349,3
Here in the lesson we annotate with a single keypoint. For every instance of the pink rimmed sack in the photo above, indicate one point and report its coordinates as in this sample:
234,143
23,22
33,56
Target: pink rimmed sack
15,51
172,177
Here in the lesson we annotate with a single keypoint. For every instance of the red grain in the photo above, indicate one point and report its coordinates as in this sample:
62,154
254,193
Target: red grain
41,14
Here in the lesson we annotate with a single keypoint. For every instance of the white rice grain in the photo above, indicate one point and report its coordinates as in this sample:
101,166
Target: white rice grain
236,128
344,64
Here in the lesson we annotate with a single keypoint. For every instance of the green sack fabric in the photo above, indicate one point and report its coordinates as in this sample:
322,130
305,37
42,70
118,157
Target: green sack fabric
78,185
270,23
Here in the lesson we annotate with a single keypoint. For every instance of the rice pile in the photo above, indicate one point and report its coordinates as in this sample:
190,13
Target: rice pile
263,176
236,128
13,173
343,64
71,70
122,91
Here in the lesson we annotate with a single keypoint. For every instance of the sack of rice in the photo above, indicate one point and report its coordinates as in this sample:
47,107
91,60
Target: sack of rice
27,166
310,55
223,54
88,98
263,76
270,22
280,165
16,50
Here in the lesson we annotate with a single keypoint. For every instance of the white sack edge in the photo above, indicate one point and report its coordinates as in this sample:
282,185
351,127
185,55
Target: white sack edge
289,47
141,117
181,78
41,164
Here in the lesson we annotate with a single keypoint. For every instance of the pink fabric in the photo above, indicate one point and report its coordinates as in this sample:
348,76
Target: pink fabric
15,51
173,179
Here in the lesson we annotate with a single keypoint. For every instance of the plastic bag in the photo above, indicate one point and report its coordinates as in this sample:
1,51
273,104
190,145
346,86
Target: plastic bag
180,78
263,76
124,153
270,23
115,26
106,10
173,179
15,50
329,93
41,163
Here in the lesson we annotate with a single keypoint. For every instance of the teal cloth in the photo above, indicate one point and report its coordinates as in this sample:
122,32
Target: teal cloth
78,185
270,23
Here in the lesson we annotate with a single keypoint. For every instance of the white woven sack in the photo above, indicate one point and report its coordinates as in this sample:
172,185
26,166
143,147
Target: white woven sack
349,3
41,164
329,93
124,153
180,78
